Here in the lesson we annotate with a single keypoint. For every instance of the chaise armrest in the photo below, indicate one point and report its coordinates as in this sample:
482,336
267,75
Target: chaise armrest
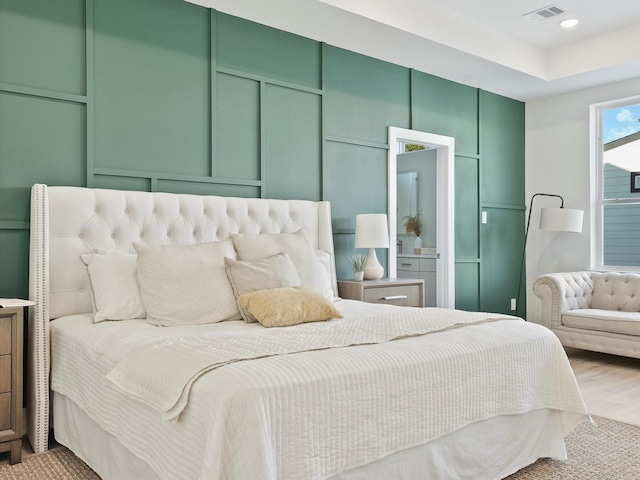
561,292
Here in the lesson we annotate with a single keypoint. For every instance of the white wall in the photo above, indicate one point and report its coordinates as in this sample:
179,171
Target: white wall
557,161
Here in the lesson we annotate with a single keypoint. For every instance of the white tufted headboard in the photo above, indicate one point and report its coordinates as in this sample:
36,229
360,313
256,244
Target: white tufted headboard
69,221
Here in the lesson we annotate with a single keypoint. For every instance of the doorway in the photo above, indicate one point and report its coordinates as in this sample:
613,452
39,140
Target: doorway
442,254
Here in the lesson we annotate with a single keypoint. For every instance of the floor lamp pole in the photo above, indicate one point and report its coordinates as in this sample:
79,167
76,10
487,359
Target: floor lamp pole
524,247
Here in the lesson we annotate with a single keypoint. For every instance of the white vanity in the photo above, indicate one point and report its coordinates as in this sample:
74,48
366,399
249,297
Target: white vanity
419,266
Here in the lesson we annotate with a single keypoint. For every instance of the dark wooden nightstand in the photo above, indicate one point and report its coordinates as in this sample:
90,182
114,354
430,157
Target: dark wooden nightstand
11,340
404,292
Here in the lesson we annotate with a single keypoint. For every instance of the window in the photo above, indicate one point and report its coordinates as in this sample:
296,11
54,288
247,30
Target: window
617,236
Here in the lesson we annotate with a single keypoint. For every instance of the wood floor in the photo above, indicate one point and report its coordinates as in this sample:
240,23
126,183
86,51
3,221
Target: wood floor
610,386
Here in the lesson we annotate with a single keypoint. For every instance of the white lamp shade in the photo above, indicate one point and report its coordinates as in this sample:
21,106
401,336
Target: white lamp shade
561,219
372,231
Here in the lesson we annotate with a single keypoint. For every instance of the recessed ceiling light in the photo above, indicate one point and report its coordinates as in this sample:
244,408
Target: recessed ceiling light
572,22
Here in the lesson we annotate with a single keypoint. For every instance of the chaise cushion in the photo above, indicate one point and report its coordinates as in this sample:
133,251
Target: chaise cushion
612,321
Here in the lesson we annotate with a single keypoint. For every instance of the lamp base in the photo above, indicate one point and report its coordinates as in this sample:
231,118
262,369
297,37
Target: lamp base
373,270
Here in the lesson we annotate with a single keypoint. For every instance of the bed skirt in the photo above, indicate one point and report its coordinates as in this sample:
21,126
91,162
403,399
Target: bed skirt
499,445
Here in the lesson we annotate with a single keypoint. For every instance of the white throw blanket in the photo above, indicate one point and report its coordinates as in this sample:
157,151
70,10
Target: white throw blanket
161,374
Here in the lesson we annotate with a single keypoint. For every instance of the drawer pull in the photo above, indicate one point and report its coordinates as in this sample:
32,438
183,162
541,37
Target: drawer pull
406,264
395,297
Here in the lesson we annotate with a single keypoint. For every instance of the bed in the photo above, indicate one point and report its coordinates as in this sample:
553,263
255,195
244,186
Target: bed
383,392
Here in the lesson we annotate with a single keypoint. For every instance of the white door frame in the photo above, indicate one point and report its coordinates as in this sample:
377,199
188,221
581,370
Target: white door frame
445,236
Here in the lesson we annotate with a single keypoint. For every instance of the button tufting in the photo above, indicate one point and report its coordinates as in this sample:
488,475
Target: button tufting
81,235
154,210
81,289
126,211
113,235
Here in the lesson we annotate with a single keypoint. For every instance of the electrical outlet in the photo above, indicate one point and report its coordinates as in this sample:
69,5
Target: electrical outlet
484,217
513,304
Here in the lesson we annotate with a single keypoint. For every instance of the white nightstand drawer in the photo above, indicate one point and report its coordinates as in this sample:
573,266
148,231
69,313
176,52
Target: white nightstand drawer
404,296
402,292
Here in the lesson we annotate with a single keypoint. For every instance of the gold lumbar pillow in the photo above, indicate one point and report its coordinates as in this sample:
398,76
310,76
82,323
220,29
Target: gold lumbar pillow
282,307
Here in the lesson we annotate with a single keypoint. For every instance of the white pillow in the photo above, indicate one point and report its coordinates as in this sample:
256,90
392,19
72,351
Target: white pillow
300,250
186,284
114,281
249,276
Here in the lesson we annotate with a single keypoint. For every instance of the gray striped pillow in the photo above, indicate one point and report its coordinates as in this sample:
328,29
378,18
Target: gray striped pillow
186,284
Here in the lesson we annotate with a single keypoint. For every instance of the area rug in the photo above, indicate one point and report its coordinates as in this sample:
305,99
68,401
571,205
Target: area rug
604,450
601,451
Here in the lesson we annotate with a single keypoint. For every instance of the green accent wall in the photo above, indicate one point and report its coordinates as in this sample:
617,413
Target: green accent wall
164,95
501,126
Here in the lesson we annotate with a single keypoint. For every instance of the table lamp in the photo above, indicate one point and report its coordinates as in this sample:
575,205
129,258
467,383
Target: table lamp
372,232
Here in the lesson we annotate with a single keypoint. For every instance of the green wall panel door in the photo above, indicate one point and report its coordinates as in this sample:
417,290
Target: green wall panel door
41,141
14,258
263,51
468,286
202,188
42,44
502,239
364,96
122,183
238,134
152,86
293,144
356,182
446,108
466,208
502,142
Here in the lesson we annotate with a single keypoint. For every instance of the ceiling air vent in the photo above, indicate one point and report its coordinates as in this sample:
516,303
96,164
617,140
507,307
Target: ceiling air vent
545,13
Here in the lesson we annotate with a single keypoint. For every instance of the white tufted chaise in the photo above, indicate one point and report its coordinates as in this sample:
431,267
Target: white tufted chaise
597,311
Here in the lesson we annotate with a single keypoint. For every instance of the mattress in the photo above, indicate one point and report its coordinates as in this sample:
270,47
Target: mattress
401,388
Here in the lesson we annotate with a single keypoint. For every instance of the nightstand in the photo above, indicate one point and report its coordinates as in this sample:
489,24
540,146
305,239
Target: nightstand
404,292
11,339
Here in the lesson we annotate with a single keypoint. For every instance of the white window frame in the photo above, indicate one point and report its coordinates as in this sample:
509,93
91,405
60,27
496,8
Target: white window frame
597,184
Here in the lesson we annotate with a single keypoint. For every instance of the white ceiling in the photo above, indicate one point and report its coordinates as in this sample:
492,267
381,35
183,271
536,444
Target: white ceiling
489,44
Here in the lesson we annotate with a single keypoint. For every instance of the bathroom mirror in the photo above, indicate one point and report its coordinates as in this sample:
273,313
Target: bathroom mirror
407,196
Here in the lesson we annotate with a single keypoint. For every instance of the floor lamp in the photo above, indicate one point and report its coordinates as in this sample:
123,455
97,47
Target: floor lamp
558,219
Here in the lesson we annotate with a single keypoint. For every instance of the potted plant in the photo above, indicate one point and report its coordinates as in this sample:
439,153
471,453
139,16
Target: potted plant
358,262
412,225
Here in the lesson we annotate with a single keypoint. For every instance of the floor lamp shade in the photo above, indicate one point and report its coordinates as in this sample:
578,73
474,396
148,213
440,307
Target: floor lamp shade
372,232
561,219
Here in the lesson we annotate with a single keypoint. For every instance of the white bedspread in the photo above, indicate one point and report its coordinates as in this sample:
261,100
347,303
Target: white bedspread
312,414
161,374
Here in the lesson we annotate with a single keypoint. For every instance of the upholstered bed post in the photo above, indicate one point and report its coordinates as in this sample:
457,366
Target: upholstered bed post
325,239
38,327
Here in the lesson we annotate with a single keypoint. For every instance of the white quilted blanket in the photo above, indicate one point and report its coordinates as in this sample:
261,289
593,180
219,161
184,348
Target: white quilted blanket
161,374
313,414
